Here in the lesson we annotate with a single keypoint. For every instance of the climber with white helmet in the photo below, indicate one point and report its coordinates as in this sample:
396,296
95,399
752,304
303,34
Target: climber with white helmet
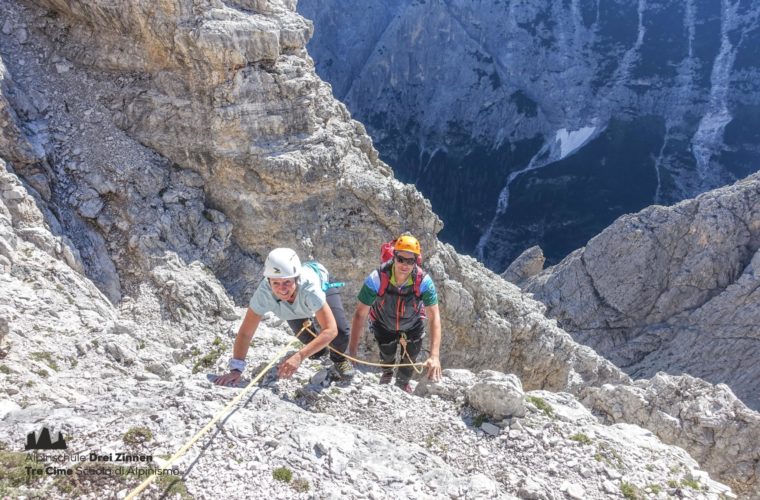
295,293
397,298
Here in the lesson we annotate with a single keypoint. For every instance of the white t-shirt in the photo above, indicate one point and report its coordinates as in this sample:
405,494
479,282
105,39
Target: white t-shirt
309,297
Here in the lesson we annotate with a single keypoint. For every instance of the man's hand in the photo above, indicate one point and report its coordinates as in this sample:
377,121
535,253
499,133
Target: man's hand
434,369
289,366
229,379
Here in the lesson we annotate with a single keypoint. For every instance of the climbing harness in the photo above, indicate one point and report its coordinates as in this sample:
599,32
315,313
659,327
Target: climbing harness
403,341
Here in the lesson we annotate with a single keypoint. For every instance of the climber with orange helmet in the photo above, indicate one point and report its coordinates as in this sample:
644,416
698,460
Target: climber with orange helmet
397,298
294,292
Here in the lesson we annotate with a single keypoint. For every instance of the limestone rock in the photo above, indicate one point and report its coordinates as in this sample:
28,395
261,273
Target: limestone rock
497,395
491,87
490,429
6,407
492,325
720,431
185,301
14,143
452,386
527,265
270,144
228,145
120,352
670,288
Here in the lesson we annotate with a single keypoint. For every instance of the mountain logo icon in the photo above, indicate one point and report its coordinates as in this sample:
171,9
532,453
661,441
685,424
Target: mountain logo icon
43,441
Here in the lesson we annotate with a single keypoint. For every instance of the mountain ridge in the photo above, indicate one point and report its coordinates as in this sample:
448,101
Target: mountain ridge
126,246
460,87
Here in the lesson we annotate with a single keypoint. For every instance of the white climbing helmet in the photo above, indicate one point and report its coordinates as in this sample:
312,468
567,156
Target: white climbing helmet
282,263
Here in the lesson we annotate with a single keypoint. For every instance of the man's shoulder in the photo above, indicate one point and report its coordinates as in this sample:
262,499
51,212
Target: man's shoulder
427,281
373,281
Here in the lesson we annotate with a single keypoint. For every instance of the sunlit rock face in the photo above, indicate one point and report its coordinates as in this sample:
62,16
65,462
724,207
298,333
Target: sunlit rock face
673,289
152,152
540,122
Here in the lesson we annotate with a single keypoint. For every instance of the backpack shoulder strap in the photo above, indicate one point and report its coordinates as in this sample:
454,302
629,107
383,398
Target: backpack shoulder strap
419,276
312,264
385,277
324,281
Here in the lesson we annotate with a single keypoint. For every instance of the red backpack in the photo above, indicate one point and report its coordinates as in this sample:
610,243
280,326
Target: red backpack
386,252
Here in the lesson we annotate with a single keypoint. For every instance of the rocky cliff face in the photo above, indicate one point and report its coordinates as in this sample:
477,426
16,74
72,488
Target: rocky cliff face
313,183
673,289
152,153
493,107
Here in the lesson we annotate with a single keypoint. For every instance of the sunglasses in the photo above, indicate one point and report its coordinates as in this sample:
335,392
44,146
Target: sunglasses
406,260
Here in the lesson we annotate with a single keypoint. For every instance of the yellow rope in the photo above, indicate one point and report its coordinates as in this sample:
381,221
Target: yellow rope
307,324
197,436
403,342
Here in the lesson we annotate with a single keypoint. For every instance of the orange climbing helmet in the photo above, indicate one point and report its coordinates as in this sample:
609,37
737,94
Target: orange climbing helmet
407,243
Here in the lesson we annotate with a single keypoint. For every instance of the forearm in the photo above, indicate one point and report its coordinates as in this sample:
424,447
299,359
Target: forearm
321,341
435,340
329,330
357,329
242,342
245,335
435,335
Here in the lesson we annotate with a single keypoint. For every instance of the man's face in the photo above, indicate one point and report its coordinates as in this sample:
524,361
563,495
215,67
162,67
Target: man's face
404,261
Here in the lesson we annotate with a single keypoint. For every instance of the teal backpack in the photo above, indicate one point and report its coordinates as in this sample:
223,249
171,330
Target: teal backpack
324,277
